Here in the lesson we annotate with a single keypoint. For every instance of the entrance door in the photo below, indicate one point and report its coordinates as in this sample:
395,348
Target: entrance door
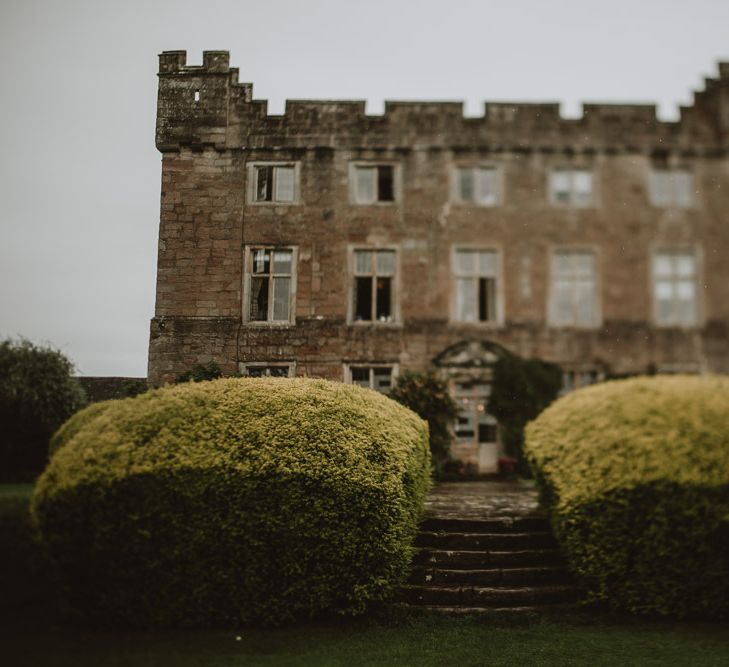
475,425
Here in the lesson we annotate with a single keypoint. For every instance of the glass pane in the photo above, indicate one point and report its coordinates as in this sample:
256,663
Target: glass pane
487,185
560,185
361,376
365,185
382,380
685,290
562,264
256,371
582,182
663,265
685,266
363,261
660,188
385,183
264,178
384,299
281,289
465,184
385,262
261,261
487,263
282,261
584,303
465,426
562,303
363,299
683,183
466,262
583,264
278,371
686,307
664,290
284,184
259,300
466,299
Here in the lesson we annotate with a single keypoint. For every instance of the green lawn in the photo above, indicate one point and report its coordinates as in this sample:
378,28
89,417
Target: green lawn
32,634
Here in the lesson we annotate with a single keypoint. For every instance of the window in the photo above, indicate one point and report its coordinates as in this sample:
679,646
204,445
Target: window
273,183
474,424
477,185
476,274
574,300
379,378
270,284
576,379
260,370
671,187
674,287
373,291
571,187
373,183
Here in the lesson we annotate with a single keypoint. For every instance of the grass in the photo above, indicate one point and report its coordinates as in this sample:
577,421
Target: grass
31,632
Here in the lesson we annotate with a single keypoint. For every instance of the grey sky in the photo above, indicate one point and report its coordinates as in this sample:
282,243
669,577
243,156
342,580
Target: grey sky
79,173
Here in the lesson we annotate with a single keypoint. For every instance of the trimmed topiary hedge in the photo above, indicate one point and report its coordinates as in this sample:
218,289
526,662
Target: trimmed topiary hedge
636,475
237,500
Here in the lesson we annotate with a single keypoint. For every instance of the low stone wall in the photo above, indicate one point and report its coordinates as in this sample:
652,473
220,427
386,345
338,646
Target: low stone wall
104,388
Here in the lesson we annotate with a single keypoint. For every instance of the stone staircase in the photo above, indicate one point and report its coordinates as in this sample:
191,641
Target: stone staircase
486,564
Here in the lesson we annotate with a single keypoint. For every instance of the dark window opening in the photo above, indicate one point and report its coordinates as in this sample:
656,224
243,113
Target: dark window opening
486,299
384,299
385,184
363,299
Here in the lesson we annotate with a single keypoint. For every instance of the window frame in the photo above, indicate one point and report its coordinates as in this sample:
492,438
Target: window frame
571,170
695,253
393,366
253,168
243,367
476,202
248,275
499,309
374,164
673,191
351,286
597,282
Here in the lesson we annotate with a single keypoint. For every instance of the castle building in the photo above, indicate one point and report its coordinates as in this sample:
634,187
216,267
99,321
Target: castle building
330,243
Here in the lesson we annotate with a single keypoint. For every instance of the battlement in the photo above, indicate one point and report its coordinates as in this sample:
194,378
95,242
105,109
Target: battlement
206,105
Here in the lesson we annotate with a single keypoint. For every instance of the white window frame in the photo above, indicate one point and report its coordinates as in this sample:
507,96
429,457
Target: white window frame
668,193
571,173
552,294
674,279
248,275
354,197
349,366
498,319
478,196
395,317
243,367
253,168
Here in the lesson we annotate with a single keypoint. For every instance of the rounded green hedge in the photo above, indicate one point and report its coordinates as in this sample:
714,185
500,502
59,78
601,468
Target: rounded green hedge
636,475
237,500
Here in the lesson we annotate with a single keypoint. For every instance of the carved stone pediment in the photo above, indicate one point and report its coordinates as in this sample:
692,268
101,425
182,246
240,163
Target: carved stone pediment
470,354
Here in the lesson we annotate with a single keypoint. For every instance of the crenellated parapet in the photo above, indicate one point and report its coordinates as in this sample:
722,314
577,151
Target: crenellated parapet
205,105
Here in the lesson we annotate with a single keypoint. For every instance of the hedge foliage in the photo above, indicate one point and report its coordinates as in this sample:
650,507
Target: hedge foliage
37,394
636,474
236,500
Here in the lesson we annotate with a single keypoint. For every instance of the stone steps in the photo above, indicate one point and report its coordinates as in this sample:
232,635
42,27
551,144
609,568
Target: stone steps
495,563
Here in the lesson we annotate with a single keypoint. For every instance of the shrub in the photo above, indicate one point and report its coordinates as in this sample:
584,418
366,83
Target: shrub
520,390
636,475
37,394
428,397
200,373
237,500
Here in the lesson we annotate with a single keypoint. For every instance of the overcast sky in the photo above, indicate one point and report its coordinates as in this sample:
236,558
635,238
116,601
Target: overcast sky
79,173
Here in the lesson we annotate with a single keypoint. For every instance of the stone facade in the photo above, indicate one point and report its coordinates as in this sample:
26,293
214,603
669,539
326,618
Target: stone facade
577,221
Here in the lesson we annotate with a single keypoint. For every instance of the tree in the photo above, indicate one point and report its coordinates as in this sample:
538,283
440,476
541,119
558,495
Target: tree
520,390
429,398
37,394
